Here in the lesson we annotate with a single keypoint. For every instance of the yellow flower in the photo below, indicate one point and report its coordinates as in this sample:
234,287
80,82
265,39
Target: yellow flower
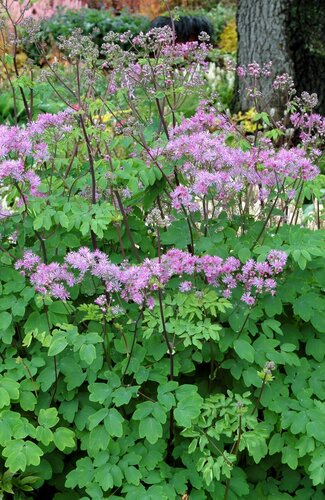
246,120
228,38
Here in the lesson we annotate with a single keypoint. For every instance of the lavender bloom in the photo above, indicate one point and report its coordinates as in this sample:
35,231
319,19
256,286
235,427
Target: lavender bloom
137,283
17,143
185,286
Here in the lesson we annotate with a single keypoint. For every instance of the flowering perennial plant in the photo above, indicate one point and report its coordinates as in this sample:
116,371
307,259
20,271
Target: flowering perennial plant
161,298
212,168
23,150
137,283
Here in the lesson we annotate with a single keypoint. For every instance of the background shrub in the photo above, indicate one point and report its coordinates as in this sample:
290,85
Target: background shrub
97,23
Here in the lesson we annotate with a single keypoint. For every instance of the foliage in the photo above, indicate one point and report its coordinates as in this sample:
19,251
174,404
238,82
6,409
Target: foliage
228,37
218,14
96,23
39,9
161,311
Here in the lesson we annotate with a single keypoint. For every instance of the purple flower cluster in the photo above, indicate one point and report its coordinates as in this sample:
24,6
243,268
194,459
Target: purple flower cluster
156,73
137,283
52,278
4,213
22,141
283,81
254,70
181,196
258,276
202,120
15,170
210,166
312,126
18,143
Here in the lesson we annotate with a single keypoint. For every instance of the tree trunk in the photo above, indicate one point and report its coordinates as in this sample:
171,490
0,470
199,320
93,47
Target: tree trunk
291,34
306,42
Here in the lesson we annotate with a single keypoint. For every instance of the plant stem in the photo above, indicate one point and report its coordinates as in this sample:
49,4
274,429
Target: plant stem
127,226
260,394
235,452
171,373
92,174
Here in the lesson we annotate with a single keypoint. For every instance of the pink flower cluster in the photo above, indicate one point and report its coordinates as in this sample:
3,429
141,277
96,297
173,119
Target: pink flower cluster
14,169
137,283
202,120
23,140
254,70
18,143
283,81
312,126
258,276
211,166
157,73
181,196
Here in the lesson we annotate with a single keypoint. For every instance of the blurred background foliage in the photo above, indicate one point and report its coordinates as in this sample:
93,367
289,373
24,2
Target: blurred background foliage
97,18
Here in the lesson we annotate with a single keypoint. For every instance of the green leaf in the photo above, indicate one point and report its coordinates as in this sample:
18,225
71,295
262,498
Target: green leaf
5,320
150,429
305,445
143,410
244,254
44,435
63,219
316,429
87,353
36,322
272,305
290,457
48,418
309,305
238,318
99,392
239,484
4,398
316,348
177,235
98,439
165,395
299,423
64,438
5,429
188,408
132,475
7,302
97,417
18,308
22,453
193,445
244,350
104,478
113,423
123,395
276,444
256,444
17,459
318,321
160,94
11,386
82,475
73,374
317,467
58,344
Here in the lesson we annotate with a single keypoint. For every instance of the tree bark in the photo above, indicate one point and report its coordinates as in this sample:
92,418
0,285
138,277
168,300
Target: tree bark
306,43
